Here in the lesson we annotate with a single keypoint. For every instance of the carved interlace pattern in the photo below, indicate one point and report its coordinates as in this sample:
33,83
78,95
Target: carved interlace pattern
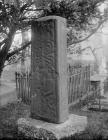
44,68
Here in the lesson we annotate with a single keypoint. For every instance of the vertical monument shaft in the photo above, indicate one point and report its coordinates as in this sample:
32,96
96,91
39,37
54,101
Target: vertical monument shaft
49,69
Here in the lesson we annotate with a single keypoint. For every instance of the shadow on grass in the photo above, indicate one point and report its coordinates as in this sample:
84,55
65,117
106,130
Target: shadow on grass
76,137
96,129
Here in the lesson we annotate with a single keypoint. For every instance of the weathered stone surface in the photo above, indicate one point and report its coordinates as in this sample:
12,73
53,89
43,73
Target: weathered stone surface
49,69
40,129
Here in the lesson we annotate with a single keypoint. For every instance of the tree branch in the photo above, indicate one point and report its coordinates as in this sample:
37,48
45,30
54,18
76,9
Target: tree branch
27,5
37,9
4,41
92,33
13,62
18,50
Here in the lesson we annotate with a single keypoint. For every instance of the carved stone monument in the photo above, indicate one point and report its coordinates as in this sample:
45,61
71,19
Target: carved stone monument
49,70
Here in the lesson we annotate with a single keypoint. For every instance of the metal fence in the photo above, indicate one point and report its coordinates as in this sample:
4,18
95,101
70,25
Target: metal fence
23,86
78,84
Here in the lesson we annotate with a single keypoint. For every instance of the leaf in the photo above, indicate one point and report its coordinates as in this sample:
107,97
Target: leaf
23,8
13,9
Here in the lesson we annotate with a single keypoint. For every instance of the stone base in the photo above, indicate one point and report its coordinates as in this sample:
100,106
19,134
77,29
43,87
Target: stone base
39,129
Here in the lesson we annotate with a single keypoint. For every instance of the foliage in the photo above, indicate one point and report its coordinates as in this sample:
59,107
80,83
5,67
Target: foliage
80,15
83,18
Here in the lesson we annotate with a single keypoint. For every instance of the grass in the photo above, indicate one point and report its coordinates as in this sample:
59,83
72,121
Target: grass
97,127
8,118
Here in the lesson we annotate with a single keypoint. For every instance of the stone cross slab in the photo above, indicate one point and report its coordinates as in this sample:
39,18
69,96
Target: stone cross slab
49,70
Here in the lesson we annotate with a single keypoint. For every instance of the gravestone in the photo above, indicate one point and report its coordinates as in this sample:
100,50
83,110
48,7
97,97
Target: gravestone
49,70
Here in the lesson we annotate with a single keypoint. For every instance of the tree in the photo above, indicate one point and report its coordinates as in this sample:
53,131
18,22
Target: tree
83,18
11,19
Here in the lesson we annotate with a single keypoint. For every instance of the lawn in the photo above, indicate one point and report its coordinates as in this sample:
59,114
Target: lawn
8,118
97,121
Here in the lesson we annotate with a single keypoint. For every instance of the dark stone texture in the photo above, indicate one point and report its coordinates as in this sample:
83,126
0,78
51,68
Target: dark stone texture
49,70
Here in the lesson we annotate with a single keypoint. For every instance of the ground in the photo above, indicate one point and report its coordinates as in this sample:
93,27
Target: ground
9,114
8,118
97,121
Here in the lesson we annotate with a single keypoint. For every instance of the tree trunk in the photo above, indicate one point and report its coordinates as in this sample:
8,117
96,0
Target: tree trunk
5,49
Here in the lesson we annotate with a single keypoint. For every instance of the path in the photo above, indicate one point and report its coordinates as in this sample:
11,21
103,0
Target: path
7,92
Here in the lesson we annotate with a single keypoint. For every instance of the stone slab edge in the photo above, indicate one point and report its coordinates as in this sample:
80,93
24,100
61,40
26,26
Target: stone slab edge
40,129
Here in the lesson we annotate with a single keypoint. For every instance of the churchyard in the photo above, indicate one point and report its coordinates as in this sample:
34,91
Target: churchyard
55,100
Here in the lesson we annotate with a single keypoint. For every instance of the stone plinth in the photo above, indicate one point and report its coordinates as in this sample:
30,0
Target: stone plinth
49,70
39,129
